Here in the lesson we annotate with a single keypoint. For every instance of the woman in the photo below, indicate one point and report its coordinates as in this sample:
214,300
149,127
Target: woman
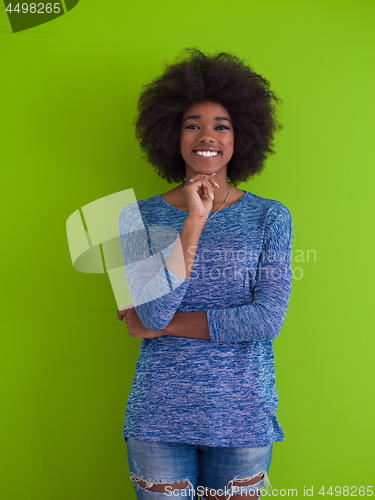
209,269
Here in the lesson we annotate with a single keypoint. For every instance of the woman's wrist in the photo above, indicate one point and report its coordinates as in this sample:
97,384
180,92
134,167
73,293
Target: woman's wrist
195,221
190,325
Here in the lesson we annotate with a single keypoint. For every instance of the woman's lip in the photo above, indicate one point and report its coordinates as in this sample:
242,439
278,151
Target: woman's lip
206,151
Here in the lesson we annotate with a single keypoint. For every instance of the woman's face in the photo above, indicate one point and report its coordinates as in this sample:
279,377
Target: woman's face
206,138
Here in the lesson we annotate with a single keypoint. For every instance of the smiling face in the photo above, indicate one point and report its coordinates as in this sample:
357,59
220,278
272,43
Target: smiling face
206,138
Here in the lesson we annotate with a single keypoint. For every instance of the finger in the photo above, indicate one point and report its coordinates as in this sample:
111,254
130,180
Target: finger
205,184
121,315
206,192
208,178
211,179
122,312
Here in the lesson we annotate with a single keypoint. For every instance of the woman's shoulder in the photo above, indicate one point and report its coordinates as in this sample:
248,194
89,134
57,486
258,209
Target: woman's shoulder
146,204
268,205
149,211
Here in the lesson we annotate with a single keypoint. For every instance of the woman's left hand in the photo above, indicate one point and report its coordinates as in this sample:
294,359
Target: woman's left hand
135,325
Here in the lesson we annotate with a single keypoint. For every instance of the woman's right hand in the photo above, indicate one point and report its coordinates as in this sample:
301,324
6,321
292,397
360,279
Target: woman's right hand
135,326
199,195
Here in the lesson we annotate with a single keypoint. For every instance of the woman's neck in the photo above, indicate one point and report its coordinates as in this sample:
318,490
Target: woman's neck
176,198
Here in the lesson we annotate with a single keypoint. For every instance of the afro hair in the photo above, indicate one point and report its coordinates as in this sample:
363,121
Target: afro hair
221,78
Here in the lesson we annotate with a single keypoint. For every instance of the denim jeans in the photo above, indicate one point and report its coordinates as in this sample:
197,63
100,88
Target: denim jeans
202,469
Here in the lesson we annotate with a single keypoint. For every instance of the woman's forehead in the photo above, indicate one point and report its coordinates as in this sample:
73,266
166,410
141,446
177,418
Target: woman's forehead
207,108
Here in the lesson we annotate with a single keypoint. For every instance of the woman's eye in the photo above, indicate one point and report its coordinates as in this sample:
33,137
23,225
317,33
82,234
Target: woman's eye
196,127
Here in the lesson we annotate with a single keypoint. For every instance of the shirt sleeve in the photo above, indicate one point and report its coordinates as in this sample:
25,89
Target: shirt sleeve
264,317
155,290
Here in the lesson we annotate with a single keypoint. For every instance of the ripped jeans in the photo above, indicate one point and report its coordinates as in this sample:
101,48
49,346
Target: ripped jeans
179,470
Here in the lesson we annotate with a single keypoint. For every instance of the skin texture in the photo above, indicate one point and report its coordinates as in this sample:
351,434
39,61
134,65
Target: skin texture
197,77
205,126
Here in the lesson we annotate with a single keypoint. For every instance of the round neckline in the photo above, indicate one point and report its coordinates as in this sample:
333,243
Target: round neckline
222,210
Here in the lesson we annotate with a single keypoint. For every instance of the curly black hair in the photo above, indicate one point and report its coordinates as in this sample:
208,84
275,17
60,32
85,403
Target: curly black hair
196,77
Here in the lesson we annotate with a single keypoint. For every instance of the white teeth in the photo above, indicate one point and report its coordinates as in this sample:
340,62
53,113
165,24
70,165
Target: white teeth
207,153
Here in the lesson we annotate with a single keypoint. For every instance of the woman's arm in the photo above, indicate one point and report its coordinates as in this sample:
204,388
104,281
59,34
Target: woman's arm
264,317
158,287
260,320
191,325
181,259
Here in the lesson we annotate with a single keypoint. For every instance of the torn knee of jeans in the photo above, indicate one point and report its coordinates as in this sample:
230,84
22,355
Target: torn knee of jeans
160,486
244,485
248,481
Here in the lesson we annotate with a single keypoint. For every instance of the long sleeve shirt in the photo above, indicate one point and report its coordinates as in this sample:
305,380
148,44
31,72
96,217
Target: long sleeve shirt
220,392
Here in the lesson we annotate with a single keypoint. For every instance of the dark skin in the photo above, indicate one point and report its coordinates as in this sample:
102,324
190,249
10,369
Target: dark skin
206,144
197,326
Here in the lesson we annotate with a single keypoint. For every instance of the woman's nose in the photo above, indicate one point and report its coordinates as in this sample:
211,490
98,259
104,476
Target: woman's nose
207,135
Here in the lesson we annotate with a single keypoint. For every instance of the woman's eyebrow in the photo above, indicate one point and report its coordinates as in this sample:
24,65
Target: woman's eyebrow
219,118
197,117
192,117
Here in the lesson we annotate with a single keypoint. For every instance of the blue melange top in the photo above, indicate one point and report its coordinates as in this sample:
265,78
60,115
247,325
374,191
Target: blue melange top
219,392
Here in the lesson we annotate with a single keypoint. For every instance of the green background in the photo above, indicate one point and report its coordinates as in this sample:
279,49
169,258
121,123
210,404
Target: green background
68,101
